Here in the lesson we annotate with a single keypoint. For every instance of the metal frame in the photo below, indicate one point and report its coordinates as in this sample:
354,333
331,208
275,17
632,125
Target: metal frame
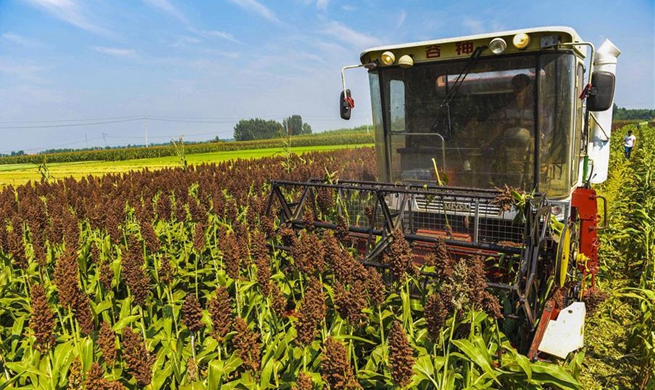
295,198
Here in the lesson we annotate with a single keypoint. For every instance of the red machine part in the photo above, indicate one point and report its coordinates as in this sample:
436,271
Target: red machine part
584,201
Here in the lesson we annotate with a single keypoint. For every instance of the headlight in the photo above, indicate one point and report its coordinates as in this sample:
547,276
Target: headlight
497,45
388,58
521,40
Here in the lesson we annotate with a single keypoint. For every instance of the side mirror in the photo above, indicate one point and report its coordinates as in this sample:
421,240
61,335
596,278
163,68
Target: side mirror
602,93
346,104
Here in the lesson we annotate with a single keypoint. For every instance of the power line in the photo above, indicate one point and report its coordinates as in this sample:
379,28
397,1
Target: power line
75,120
70,124
96,122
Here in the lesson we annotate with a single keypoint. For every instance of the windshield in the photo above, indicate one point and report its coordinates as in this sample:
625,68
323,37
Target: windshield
482,131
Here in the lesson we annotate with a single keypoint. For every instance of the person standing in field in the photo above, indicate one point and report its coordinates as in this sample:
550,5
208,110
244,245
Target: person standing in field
630,142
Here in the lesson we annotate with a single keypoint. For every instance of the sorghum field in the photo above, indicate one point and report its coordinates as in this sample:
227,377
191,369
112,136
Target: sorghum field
620,335
175,279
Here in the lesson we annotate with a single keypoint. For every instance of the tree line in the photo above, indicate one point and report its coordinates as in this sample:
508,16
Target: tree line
254,129
620,113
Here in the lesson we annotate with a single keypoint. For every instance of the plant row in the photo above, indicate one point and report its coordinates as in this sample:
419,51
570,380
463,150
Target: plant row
190,148
179,278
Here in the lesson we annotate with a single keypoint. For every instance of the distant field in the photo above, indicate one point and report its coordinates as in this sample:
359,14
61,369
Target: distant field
17,174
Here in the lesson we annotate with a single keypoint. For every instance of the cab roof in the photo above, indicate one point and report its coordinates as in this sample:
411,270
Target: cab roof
567,34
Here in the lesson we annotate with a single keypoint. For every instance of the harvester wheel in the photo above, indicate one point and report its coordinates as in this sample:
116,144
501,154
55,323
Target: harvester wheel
565,263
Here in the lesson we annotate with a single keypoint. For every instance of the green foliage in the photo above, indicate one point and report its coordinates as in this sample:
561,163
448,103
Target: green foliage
628,270
180,151
294,125
620,113
253,129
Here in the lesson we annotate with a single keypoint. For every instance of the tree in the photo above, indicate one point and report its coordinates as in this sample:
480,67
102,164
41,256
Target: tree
295,126
251,129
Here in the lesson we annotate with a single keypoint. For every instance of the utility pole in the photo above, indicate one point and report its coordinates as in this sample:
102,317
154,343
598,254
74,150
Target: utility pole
104,135
145,124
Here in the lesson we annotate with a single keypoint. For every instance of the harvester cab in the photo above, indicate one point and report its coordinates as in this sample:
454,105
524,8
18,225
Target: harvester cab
489,144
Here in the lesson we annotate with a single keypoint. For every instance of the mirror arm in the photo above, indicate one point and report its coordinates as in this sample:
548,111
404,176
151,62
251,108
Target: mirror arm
591,61
343,74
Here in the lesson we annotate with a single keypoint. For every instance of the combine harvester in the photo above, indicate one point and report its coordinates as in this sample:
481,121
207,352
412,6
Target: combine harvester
488,143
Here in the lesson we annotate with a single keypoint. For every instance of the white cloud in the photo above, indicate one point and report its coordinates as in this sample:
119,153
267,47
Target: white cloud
184,41
71,13
167,7
322,4
116,52
21,70
18,39
474,26
401,18
348,35
215,34
253,6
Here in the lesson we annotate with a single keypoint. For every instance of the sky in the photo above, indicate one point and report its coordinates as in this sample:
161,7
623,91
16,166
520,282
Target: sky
83,73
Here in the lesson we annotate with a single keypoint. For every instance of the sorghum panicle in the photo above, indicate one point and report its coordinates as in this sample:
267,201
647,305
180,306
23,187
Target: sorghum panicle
16,244
135,275
258,247
42,320
199,238
95,380
304,382
150,237
75,375
106,274
165,272
400,257
335,367
107,343
231,255
288,237
164,207
220,312
279,301
247,345
192,313
192,369
435,315
138,360
312,312
374,286
350,303
480,296
441,260
83,313
401,355
67,279
263,264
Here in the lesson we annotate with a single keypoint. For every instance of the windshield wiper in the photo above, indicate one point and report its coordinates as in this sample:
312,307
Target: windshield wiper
452,92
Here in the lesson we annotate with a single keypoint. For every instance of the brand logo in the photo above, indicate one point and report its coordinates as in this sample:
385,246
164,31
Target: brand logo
456,206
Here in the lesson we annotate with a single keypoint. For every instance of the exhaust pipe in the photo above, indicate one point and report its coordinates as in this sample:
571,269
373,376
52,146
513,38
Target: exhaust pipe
601,121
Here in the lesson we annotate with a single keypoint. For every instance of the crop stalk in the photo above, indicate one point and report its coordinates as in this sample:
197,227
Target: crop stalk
447,348
382,339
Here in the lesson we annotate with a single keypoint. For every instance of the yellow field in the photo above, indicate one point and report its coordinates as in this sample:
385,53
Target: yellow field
17,174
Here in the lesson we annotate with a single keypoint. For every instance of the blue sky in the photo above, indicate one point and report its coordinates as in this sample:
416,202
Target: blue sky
218,61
